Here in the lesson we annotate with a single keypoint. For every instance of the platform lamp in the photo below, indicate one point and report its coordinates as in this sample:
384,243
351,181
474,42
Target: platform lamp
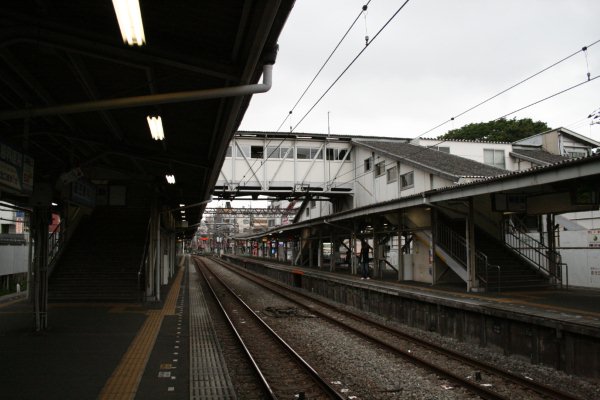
156,127
129,18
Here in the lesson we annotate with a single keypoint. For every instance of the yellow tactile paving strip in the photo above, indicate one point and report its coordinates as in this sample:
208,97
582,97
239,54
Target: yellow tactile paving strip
124,381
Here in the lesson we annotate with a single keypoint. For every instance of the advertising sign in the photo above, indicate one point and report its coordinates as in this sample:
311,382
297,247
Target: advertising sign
16,170
594,238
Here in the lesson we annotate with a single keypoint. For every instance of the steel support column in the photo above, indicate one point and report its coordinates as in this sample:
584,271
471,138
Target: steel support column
40,222
400,255
472,282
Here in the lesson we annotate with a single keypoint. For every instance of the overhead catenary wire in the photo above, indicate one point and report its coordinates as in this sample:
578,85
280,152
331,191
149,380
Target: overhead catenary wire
425,148
351,63
589,79
290,113
583,49
363,10
367,43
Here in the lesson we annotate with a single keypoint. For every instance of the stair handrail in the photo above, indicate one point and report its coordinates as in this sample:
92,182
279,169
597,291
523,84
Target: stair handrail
57,240
55,245
456,245
537,253
144,257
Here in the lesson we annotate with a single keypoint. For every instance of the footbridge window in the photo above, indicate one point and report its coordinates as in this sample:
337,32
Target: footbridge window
243,151
307,153
279,152
257,151
337,154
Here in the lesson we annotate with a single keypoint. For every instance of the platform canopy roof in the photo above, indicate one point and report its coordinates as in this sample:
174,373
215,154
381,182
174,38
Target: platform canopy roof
69,87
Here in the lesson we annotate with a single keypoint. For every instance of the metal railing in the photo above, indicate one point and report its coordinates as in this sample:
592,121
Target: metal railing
539,255
456,246
141,276
452,242
58,238
56,244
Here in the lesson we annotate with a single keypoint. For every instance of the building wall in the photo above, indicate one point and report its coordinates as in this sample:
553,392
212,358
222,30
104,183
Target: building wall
471,150
573,148
7,221
520,165
583,265
13,259
371,188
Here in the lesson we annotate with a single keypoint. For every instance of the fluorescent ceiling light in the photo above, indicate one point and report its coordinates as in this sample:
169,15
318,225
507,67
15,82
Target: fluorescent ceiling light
156,127
170,179
182,205
130,21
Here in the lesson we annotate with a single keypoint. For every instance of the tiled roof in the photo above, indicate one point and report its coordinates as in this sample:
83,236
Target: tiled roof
539,155
447,164
443,140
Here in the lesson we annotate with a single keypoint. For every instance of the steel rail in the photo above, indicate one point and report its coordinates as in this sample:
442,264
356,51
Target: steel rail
263,380
516,379
330,391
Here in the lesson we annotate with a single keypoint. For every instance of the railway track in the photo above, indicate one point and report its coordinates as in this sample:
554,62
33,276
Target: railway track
283,373
483,379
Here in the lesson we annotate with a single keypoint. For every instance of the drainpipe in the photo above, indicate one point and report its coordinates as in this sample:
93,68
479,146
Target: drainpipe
137,101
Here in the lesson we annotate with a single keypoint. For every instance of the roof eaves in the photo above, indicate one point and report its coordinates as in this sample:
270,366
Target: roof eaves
414,163
528,158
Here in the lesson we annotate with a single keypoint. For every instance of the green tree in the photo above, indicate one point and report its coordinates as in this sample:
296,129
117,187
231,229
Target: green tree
501,130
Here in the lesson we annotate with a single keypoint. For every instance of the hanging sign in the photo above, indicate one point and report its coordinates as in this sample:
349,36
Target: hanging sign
16,170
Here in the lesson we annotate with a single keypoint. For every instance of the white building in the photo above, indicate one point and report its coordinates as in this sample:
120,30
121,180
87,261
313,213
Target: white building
14,248
371,171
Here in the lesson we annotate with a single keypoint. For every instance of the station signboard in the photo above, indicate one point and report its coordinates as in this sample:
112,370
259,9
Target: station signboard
16,171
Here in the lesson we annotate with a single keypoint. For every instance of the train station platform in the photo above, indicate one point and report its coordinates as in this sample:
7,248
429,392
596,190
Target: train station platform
108,350
573,305
556,327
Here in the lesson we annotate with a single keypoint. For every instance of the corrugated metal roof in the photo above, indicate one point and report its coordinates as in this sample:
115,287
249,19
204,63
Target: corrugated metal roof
443,163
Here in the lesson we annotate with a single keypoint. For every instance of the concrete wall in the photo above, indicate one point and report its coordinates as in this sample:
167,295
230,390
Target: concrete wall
13,259
583,262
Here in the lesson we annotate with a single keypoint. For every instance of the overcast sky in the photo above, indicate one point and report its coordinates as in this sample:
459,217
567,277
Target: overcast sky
436,59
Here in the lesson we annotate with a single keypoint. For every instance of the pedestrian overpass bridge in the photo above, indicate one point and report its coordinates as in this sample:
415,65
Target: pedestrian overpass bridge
285,165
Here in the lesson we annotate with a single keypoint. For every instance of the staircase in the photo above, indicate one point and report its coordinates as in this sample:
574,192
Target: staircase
515,272
102,259
498,267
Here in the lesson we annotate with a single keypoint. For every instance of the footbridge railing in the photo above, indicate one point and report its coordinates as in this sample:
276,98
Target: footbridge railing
547,261
456,245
